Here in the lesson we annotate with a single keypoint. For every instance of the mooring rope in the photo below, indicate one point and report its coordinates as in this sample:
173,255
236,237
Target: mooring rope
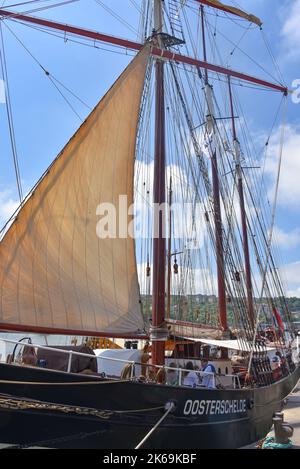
170,406
270,443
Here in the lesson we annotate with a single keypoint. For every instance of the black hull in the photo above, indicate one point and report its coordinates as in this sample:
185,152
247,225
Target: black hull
202,419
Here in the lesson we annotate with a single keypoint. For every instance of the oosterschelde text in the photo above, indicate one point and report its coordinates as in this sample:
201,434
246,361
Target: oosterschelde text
211,407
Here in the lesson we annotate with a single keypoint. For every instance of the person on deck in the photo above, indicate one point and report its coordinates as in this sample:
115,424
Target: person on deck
29,357
172,375
276,368
283,363
145,359
191,378
208,380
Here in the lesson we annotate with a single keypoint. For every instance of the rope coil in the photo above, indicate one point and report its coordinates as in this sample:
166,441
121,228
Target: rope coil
270,443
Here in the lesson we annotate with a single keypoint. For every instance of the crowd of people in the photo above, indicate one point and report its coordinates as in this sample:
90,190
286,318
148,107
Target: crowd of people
193,376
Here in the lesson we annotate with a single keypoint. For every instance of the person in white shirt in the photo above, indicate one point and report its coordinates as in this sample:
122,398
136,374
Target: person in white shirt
191,378
208,380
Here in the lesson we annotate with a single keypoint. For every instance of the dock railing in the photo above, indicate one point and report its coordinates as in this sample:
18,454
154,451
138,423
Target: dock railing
180,371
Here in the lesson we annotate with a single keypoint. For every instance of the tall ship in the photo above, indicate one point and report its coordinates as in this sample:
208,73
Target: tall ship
151,225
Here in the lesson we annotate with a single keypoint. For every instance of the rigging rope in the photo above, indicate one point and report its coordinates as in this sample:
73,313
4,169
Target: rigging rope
10,117
118,17
268,253
47,7
236,46
52,78
24,3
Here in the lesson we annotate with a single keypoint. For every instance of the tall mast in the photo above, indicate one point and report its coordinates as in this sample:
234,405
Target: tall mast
159,333
222,307
237,152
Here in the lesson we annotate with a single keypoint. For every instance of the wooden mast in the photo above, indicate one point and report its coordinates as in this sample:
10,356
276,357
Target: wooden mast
222,307
239,173
159,332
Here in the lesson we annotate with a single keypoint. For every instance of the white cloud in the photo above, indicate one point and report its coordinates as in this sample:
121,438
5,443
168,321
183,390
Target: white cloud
2,92
294,293
289,195
290,29
286,240
8,205
291,277
203,282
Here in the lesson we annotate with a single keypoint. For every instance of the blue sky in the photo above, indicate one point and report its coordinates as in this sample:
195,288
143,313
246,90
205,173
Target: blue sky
44,123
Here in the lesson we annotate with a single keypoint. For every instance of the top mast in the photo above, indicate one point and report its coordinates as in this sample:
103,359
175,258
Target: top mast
159,332
211,130
158,21
237,152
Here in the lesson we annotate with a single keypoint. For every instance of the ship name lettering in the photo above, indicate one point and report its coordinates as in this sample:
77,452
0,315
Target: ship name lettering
214,407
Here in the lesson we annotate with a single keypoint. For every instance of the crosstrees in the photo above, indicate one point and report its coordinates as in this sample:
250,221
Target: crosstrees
137,46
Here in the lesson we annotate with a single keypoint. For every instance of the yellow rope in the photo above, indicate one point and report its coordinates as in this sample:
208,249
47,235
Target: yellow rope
21,404
16,404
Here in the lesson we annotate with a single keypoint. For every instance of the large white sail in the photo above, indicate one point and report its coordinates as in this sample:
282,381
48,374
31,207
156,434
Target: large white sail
56,275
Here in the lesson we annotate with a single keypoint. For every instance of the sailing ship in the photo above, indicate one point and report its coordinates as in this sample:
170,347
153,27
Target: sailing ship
59,275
